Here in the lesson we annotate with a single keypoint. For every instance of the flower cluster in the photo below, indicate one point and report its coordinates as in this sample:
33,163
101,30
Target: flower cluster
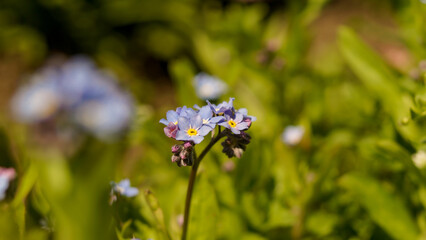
75,93
191,126
6,175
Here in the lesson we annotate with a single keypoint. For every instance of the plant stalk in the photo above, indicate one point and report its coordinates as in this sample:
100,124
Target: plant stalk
191,182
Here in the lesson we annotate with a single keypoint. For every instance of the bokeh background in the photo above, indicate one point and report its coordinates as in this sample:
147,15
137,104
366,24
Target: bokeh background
351,73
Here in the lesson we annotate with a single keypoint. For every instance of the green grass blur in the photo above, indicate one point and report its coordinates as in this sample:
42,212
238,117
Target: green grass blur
350,72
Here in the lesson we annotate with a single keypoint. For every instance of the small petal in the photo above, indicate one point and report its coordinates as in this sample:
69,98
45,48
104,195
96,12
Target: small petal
235,131
238,117
216,119
172,116
183,123
197,139
182,136
204,130
196,121
242,126
131,192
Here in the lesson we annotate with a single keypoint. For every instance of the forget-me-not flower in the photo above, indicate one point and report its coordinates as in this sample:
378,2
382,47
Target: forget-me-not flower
75,93
235,124
222,108
192,129
122,188
207,117
208,87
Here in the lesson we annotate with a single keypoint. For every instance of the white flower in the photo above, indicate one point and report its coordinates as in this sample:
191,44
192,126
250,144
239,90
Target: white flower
292,135
208,87
6,175
419,159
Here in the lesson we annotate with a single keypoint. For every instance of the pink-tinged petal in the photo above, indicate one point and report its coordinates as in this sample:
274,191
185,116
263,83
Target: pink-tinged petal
171,130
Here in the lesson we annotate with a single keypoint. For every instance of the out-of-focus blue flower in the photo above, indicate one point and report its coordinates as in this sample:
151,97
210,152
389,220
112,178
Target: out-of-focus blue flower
124,189
292,135
207,117
6,175
192,129
236,124
208,87
223,108
78,92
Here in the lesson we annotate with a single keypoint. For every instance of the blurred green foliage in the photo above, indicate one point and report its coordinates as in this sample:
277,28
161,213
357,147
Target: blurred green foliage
347,71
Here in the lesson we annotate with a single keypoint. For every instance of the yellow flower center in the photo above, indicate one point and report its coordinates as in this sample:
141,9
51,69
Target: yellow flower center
192,132
232,123
175,123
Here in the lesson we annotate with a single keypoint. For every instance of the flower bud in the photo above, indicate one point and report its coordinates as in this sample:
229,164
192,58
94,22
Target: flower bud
175,158
176,148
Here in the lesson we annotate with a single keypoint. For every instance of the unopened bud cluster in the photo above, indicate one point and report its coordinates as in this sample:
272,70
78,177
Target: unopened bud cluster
182,154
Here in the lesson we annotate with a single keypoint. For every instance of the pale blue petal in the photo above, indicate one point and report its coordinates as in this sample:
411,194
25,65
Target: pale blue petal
235,131
164,121
196,121
172,116
124,183
204,130
131,192
183,123
242,126
205,112
217,119
182,136
197,139
238,117
243,111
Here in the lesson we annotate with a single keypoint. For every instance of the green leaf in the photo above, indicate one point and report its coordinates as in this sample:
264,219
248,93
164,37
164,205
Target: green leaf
384,208
28,180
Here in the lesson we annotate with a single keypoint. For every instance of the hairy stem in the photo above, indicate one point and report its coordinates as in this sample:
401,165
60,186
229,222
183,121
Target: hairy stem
191,182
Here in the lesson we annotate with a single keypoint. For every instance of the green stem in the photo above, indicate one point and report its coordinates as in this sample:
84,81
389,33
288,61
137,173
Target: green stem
191,182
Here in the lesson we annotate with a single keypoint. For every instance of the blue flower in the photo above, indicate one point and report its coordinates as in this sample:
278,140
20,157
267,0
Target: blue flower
292,135
123,188
6,175
207,117
223,108
192,129
172,117
235,124
208,87
78,92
